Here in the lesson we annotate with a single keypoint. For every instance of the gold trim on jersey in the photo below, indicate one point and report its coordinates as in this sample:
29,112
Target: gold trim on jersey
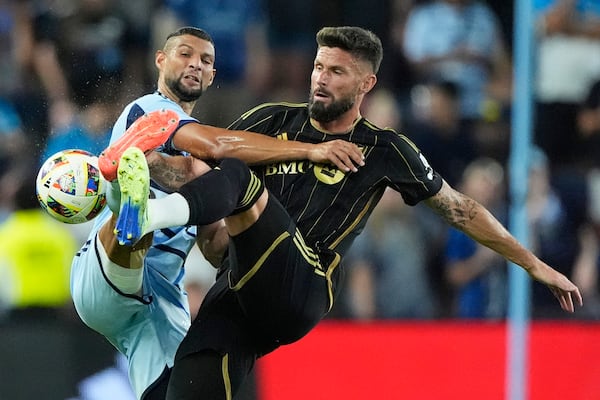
358,218
225,374
410,143
253,110
258,263
408,164
376,128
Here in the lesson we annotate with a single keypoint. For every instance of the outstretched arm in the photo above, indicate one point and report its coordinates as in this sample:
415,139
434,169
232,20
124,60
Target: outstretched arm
476,221
209,142
212,240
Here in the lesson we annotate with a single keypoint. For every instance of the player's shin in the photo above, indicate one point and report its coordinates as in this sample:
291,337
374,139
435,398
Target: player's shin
221,192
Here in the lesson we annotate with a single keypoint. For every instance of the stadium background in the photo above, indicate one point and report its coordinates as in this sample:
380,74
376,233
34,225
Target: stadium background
339,360
47,354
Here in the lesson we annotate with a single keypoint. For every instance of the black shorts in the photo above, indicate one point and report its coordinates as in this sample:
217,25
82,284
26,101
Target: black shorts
158,389
272,291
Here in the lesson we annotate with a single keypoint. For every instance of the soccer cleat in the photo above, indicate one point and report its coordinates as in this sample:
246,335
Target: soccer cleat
147,133
134,181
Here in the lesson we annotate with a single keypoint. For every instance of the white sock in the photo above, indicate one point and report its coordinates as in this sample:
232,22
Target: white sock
169,211
127,280
113,196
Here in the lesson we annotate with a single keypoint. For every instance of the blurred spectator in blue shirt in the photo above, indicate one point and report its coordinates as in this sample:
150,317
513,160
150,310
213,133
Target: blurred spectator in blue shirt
87,128
11,134
460,41
14,149
476,273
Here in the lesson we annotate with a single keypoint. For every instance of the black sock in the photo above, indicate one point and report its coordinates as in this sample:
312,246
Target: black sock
227,189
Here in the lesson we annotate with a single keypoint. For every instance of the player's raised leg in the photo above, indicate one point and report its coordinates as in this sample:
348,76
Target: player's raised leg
147,133
230,190
134,183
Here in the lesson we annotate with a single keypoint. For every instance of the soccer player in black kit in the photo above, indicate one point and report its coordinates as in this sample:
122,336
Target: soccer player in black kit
290,227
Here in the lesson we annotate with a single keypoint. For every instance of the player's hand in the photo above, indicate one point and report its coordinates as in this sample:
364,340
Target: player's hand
562,288
344,155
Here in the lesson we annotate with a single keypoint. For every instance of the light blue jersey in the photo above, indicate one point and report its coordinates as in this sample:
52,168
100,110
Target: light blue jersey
147,329
144,105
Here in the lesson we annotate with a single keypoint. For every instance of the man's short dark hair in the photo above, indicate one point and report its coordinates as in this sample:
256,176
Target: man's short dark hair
191,30
361,43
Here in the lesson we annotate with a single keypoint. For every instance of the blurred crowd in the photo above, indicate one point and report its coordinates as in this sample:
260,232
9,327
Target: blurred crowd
67,67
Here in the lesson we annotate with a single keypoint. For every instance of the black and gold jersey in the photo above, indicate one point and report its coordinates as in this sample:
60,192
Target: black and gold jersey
329,206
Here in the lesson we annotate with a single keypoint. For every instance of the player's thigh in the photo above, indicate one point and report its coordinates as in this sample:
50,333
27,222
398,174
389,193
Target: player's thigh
263,245
208,374
99,304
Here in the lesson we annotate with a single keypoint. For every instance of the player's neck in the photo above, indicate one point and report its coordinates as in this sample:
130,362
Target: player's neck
188,107
339,126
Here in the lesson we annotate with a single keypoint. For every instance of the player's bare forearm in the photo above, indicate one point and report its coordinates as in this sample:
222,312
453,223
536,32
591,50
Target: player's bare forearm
473,219
208,142
467,215
212,240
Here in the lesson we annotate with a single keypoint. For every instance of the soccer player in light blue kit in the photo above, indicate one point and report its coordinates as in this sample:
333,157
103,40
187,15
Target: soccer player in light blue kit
132,293
142,310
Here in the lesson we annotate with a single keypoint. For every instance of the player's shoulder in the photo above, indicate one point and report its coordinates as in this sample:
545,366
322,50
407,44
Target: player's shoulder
376,129
151,100
390,134
386,136
156,101
269,109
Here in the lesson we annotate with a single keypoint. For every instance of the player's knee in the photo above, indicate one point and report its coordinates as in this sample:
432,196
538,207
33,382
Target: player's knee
228,189
240,176
235,169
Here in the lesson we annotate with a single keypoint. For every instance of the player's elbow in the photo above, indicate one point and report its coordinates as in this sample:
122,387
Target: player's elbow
201,141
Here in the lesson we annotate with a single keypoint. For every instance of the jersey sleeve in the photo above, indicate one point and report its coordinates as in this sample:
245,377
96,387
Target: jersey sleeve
410,172
144,105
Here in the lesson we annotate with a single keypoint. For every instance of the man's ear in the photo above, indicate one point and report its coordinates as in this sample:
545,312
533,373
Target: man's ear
159,57
368,83
212,79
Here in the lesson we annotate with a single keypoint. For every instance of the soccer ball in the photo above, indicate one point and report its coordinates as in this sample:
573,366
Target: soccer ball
70,186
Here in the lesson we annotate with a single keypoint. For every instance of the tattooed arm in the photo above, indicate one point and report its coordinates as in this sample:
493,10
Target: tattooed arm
173,171
467,215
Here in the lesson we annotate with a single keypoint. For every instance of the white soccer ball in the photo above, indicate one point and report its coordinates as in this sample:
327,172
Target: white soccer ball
70,186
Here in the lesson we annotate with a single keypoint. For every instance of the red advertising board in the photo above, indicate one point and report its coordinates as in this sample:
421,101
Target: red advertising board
430,360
